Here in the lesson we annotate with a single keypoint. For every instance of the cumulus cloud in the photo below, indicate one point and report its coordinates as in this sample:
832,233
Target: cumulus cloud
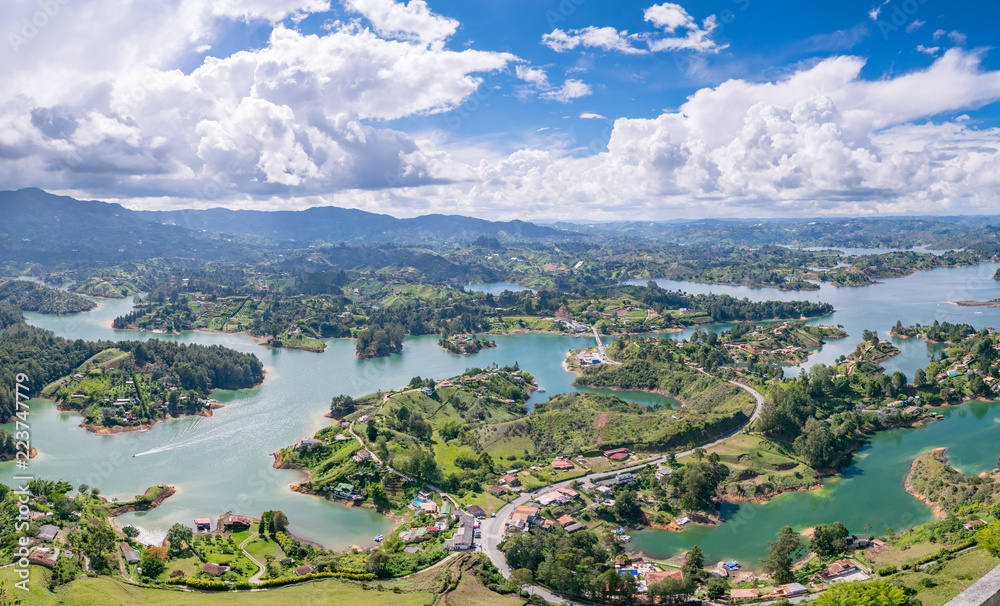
823,140
538,83
289,116
915,25
928,50
668,17
407,21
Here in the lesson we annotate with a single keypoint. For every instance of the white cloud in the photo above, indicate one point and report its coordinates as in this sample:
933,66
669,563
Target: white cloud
571,89
591,116
532,75
668,17
821,141
408,21
604,38
915,25
119,121
929,50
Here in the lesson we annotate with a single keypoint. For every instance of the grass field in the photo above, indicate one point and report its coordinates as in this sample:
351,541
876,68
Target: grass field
105,592
936,588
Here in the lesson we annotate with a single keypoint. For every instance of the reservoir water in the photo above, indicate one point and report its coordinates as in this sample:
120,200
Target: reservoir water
223,463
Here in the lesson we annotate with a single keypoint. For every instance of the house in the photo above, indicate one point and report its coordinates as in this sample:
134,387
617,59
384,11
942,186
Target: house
625,478
497,490
286,561
47,532
974,524
510,480
618,454
363,455
565,520
683,521
784,591
306,569
735,595
655,576
663,470
574,527
446,510
464,538
215,569
203,524
858,541
911,411
131,556
477,511
42,558
568,493
429,507
235,522
305,443
837,569
561,464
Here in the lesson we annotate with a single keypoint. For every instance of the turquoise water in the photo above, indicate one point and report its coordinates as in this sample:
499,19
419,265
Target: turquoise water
223,463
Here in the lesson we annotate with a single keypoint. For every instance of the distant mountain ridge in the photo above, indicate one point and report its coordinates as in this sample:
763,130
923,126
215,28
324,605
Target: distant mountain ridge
40,226
331,223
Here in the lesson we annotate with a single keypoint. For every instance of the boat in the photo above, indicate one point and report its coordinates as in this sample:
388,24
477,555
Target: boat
540,390
143,430
624,538
379,538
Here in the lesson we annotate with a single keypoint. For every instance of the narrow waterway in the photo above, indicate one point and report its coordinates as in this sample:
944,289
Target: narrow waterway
223,463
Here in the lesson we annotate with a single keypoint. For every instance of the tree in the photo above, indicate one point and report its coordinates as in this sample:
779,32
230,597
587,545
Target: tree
919,377
988,538
863,593
151,565
83,489
178,535
694,563
372,431
378,563
781,555
279,523
522,578
717,588
131,531
828,539
698,454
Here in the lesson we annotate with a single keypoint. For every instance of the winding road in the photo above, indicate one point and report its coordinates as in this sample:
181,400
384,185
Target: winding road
261,568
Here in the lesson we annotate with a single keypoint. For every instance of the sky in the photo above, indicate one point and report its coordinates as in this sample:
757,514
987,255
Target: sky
503,109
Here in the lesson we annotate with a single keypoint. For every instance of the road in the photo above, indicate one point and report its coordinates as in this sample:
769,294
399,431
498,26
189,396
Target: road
261,568
493,528
600,348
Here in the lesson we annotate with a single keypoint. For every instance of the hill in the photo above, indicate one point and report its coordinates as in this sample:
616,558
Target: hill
333,224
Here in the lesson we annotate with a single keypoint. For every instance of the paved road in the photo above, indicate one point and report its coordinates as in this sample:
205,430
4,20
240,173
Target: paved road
600,348
261,568
493,528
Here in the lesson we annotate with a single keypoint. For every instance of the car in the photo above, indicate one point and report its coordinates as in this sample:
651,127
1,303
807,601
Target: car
493,515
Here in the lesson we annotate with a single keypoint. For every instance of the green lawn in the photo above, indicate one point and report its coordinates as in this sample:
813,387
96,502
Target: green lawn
259,548
106,591
954,577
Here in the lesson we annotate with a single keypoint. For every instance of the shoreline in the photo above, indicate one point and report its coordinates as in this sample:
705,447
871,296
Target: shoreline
10,457
103,430
937,453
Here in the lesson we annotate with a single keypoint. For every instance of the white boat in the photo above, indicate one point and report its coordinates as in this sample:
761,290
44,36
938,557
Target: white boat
143,430
624,538
379,538
540,390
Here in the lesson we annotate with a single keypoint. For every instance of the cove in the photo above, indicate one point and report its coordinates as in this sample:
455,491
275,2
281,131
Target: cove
223,463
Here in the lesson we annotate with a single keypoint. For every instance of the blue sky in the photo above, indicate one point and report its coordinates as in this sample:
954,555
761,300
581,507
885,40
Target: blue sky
519,108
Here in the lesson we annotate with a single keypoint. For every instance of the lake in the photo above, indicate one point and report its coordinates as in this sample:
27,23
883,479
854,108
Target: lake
223,463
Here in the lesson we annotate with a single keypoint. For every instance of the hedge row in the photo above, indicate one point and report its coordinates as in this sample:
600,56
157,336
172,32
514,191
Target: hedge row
216,585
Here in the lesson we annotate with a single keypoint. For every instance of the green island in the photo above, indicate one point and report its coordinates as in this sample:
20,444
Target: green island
133,385
568,477
464,344
30,296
